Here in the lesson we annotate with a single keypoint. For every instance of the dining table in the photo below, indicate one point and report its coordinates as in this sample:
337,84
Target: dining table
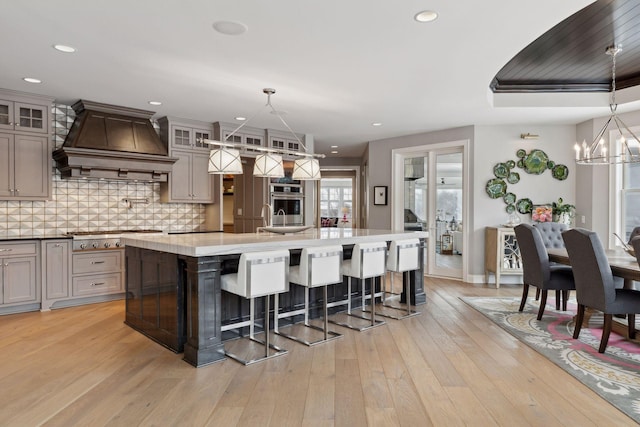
622,265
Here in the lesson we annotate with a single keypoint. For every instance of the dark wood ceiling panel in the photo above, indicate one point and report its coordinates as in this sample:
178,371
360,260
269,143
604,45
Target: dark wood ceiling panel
571,57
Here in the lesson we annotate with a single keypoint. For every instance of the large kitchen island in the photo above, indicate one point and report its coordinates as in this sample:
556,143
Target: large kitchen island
173,292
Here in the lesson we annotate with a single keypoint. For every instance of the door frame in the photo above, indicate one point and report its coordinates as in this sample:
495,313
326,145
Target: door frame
398,156
356,193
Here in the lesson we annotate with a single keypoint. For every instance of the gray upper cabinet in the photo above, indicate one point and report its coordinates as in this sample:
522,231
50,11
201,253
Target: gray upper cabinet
25,167
25,146
23,116
224,132
284,140
189,181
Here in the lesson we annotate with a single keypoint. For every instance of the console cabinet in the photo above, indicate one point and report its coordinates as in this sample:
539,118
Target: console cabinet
501,253
189,181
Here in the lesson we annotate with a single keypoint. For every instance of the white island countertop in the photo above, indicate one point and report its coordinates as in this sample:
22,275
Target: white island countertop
208,244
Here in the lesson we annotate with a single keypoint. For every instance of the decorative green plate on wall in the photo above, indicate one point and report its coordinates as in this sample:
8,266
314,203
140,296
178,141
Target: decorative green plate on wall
496,188
509,198
513,178
536,162
501,170
560,172
524,206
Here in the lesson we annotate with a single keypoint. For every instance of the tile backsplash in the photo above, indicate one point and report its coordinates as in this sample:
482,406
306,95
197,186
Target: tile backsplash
92,205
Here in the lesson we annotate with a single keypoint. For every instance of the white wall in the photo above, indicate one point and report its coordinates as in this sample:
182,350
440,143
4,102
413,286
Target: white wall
494,144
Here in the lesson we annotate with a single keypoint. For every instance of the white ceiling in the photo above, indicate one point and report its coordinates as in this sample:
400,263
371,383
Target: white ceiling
337,65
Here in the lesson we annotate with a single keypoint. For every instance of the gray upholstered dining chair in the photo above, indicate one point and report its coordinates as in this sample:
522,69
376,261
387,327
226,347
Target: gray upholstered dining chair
595,285
537,270
634,233
552,238
551,233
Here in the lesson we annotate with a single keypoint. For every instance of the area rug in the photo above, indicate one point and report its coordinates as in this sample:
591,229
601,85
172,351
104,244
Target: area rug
614,375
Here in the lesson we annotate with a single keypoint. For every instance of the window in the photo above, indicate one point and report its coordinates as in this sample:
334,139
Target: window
336,197
630,195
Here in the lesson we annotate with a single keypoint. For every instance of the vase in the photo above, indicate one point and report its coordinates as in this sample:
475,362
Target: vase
562,218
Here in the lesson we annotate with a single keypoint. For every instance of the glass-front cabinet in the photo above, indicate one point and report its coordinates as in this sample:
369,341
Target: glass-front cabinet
501,253
23,117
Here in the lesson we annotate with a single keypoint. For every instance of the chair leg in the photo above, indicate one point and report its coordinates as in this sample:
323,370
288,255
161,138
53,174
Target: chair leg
558,300
543,303
631,321
565,298
606,331
525,293
579,319
537,294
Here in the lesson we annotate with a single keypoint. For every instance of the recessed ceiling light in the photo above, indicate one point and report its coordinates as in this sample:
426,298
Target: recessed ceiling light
31,80
334,151
334,146
376,124
241,119
155,102
426,16
64,48
230,28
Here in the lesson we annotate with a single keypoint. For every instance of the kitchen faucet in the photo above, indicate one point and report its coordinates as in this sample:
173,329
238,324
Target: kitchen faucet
267,221
284,216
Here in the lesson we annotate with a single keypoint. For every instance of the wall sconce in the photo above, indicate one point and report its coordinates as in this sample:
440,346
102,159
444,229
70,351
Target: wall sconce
529,136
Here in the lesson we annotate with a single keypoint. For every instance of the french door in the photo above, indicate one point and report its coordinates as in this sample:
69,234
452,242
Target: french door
431,186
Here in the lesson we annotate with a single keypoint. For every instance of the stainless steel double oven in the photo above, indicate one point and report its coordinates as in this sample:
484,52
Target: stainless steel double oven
287,201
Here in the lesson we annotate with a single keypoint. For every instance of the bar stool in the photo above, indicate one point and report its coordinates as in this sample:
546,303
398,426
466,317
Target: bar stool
259,274
404,256
368,260
319,266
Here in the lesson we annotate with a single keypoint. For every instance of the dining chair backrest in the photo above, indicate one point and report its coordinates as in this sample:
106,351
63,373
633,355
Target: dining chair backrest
551,233
535,260
635,243
634,233
591,270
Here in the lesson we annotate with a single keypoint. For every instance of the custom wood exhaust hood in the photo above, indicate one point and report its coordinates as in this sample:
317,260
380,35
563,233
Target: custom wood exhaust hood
113,142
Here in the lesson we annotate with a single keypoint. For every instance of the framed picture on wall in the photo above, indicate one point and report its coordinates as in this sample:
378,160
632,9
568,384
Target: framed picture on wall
380,195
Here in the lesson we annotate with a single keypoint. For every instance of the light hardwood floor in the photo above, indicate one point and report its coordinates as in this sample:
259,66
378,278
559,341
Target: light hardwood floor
450,366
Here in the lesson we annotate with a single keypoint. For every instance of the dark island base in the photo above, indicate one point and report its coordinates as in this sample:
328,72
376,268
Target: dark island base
177,301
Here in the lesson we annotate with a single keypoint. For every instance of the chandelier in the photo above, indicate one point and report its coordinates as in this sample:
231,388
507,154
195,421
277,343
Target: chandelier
596,153
225,159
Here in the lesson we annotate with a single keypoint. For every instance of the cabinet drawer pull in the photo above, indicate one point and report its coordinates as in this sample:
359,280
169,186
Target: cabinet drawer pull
97,283
97,262
6,250
57,245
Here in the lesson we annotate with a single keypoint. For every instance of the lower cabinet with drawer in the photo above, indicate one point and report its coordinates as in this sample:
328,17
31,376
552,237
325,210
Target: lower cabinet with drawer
80,277
19,281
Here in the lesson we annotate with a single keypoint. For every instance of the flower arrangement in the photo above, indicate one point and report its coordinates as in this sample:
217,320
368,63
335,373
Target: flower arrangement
542,214
560,208
563,212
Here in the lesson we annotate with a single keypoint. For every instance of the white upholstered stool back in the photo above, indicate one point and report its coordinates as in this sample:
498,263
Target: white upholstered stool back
404,255
367,260
319,266
259,274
